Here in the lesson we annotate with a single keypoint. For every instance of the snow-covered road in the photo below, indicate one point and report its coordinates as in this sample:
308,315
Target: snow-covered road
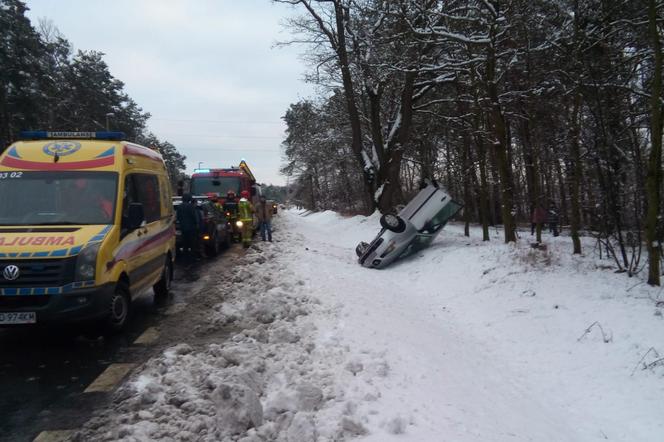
469,341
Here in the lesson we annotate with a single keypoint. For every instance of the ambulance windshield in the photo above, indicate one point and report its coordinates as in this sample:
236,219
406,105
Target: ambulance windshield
219,185
57,198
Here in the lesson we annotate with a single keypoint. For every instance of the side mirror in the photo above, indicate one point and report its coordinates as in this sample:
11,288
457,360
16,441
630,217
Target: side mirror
135,216
180,190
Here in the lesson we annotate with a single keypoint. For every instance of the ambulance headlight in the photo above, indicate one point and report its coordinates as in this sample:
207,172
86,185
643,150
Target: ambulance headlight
239,224
86,263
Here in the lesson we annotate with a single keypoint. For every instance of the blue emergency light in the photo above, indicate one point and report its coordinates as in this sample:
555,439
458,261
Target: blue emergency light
44,135
201,170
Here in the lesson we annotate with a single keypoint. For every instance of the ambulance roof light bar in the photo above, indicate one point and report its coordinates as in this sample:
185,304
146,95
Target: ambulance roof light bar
46,135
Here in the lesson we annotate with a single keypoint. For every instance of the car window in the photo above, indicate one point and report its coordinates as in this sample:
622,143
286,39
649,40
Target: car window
443,216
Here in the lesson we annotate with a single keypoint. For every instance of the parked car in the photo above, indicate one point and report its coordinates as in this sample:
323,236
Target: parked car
216,233
413,228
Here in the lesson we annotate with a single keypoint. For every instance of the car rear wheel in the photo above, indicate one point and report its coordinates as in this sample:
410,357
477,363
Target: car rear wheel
393,223
212,248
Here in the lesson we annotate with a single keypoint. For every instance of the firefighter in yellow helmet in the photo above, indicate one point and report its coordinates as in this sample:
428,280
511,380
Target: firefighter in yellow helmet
246,216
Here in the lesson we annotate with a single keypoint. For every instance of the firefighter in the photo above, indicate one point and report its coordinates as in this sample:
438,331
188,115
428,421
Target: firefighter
230,207
246,216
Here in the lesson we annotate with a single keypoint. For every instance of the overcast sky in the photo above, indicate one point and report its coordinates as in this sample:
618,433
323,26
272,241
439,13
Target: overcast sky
206,70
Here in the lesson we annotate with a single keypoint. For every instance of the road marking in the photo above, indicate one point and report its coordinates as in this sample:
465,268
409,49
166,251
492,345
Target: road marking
149,336
54,436
111,377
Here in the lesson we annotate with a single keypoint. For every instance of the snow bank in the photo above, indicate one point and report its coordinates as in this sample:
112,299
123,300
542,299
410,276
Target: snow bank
466,341
486,341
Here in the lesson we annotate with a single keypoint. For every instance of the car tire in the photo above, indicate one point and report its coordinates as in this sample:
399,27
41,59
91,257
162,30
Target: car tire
212,249
361,248
228,242
163,287
393,223
118,310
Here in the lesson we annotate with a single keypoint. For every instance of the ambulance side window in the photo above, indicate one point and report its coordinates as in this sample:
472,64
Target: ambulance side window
147,187
128,198
166,198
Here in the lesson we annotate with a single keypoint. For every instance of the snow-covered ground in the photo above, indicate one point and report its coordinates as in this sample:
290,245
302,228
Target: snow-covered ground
469,341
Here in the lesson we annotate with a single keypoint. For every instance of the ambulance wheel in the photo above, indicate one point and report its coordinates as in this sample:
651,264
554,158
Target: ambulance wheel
163,287
228,242
118,309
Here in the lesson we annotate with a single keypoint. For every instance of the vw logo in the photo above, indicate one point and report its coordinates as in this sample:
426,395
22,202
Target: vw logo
61,148
11,273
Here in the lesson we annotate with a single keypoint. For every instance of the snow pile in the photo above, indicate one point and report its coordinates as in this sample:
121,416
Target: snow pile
271,380
466,341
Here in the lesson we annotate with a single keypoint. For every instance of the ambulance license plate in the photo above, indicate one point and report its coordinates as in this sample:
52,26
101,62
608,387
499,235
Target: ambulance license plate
18,318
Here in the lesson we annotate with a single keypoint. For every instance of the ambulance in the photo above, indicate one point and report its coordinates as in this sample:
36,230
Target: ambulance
86,226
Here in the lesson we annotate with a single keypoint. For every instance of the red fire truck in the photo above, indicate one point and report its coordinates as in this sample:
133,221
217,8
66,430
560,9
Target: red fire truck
216,183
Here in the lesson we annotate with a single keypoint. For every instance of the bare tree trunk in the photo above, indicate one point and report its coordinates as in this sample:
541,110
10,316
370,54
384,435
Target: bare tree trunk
575,173
530,165
466,183
654,180
563,191
391,167
499,132
484,190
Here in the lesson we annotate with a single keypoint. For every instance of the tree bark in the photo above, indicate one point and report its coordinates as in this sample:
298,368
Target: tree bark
499,132
575,174
484,190
654,180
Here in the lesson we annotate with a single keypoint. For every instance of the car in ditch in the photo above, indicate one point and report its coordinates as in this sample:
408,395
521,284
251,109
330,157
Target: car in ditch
412,229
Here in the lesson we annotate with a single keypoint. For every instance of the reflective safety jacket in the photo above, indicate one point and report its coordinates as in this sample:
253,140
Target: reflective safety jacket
245,210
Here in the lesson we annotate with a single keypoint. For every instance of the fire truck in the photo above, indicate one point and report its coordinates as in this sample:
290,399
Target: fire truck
217,183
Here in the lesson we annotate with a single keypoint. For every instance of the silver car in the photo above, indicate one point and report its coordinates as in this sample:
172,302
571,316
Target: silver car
413,228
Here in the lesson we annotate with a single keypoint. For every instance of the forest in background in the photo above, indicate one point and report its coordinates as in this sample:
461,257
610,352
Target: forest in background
45,85
510,104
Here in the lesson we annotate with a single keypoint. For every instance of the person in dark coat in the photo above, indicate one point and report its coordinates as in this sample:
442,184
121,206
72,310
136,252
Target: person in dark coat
264,215
189,220
538,219
553,218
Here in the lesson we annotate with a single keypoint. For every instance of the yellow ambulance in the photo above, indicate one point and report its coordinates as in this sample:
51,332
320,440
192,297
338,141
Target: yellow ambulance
86,225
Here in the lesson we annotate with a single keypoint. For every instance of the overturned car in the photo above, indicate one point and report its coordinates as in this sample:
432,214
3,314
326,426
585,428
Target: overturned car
413,228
